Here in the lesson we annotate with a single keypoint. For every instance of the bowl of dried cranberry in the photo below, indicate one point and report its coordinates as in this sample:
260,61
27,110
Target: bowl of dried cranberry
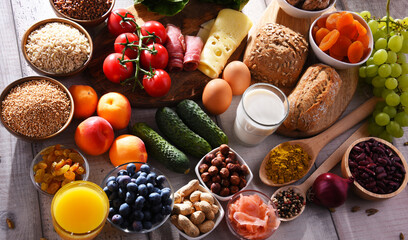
223,172
87,13
378,168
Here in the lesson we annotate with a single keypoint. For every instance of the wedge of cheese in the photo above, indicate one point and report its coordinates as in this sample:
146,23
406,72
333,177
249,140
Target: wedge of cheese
205,29
229,29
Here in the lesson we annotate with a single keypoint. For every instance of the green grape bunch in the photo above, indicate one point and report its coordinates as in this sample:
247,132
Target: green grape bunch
387,71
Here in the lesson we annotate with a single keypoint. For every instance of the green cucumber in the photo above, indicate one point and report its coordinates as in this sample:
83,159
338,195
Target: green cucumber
179,134
198,121
160,149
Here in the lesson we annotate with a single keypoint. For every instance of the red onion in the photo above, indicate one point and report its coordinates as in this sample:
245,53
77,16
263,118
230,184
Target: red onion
330,190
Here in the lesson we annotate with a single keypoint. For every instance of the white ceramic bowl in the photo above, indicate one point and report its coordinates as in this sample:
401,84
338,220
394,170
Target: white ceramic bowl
300,13
218,218
327,59
240,160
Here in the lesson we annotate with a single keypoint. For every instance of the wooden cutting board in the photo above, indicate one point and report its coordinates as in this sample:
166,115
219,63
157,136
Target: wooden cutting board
274,14
183,84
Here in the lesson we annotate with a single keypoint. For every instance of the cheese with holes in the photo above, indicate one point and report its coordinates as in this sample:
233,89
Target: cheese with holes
229,29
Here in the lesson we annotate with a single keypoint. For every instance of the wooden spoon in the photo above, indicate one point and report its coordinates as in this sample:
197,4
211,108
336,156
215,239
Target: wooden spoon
314,144
324,167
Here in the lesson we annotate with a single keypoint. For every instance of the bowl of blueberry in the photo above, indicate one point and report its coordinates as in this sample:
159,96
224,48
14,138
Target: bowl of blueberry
140,198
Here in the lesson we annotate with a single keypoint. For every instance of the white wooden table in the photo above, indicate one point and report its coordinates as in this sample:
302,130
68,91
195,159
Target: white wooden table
30,210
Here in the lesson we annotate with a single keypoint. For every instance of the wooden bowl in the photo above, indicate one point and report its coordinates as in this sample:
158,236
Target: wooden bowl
360,190
61,20
85,23
27,79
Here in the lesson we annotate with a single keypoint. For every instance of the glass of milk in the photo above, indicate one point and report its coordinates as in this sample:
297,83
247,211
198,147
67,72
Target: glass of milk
262,109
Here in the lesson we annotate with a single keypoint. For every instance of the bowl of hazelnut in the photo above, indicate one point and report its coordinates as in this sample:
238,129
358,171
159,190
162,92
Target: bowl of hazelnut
223,172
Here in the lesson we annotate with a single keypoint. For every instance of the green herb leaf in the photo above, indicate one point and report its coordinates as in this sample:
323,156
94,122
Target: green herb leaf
164,7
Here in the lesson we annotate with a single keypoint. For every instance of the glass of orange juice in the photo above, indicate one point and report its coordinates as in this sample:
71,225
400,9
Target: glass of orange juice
79,210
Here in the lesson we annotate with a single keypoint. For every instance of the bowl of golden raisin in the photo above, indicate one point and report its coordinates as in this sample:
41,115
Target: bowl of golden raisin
57,165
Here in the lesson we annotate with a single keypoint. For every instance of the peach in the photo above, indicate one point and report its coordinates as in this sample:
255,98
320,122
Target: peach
94,135
127,148
115,108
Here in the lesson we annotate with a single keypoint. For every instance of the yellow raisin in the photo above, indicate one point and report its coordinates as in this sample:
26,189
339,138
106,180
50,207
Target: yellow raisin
74,167
42,165
80,170
59,178
58,152
39,175
58,146
68,161
61,170
60,164
66,153
44,186
69,175
47,177
48,150
53,187
75,157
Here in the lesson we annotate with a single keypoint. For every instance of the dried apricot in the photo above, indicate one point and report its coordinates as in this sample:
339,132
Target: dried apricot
320,34
340,48
329,40
349,31
360,28
345,19
331,21
364,39
321,23
355,52
60,164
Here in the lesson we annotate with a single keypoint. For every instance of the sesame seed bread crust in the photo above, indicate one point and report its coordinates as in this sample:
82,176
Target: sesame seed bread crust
312,97
277,55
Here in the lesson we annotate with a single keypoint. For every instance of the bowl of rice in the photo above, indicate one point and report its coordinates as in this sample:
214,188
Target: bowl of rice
36,108
57,47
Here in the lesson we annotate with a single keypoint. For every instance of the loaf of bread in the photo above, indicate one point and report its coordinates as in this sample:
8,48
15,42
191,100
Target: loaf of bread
312,97
276,56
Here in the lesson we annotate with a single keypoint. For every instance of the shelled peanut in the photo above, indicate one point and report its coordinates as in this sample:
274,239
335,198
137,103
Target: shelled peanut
222,173
58,167
194,209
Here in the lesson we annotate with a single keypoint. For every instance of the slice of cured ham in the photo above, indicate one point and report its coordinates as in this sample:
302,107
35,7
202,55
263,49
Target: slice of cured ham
194,45
175,46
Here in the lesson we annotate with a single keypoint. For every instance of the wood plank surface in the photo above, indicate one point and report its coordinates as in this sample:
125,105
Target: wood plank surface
18,199
30,211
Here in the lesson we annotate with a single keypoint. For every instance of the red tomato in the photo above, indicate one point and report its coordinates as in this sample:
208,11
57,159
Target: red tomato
157,28
114,71
131,38
158,60
158,85
116,27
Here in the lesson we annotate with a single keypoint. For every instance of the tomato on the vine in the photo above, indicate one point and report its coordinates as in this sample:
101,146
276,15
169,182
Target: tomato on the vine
114,71
115,24
158,60
157,28
158,85
121,39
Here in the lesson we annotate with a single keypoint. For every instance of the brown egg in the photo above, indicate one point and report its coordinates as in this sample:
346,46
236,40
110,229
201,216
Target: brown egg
237,75
217,96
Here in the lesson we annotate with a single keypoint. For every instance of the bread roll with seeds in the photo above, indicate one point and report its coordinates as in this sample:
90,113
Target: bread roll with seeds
277,56
312,97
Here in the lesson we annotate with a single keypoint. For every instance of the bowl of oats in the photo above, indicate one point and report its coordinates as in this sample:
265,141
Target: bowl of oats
36,108
57,47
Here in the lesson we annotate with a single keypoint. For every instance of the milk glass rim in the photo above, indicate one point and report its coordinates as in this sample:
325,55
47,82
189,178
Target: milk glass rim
266,85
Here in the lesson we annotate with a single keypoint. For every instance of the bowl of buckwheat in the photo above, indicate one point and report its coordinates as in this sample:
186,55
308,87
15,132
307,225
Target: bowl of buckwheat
36,108
88,13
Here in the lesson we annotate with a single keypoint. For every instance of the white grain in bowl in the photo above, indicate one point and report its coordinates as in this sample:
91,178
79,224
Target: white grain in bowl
58,48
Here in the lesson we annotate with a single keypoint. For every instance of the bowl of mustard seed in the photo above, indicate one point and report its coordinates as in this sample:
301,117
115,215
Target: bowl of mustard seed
36,108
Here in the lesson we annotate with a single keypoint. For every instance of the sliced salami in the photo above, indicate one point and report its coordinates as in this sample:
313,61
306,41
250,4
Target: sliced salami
175,46
194,45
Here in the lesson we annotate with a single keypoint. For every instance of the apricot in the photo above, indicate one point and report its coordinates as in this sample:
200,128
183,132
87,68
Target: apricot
85,100
127,148
116,109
